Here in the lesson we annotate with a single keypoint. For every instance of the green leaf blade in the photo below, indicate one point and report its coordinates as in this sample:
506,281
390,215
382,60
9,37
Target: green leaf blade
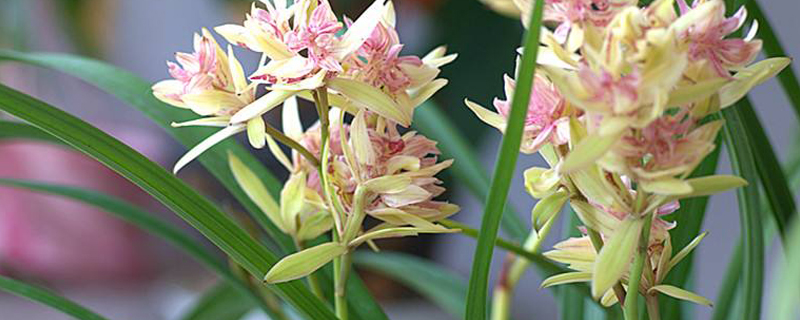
173,193
741,155
504,169
48,298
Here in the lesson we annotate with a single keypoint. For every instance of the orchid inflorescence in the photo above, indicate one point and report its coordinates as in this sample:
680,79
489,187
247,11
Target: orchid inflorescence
623,108
340,172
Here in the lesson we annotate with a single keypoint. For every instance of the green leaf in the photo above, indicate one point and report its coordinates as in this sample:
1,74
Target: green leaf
504,171
779,195
440,286
221,302
726,296
138,217
468,169
679,293
743,165
48,298
689,219
16,130
136,92
786,290
175,194
303,263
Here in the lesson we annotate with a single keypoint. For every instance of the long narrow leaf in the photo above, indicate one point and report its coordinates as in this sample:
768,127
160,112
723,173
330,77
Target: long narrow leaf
726,296
689,219
136,92
175,194
773,179
16,130
504,170
48,298
743,164
440,286
222,302
138,217
467,168
786,290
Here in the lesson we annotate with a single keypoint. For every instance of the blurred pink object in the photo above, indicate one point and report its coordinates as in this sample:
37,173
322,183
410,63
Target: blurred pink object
58,239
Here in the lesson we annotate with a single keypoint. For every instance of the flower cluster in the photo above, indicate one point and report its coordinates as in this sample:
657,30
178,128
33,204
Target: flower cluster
340,173
623,109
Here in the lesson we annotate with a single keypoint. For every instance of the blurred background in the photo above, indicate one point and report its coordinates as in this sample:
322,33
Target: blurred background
122,273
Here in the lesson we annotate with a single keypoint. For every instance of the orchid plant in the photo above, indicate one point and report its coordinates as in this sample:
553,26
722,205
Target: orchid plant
626,102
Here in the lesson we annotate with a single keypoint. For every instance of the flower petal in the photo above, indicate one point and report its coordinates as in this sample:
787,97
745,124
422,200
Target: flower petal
207,144
266,103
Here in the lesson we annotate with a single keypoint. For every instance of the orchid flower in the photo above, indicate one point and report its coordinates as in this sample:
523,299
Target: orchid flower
361,68
663,153
212,84
706,34
579,254
547,120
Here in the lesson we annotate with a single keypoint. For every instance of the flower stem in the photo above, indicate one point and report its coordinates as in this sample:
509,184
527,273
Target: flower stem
631,304
291,143
652,307
513,270
341,271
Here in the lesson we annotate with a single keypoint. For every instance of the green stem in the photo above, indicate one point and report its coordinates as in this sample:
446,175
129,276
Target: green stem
652,307
513,271
291,143
631,304
341,269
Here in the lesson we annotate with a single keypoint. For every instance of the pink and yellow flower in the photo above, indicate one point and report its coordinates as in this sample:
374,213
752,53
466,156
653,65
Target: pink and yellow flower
212,84
706,36
547,120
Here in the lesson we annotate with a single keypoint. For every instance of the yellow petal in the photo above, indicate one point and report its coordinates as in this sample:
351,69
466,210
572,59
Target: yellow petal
368,97
615,257
211,102
255,190
207,144
491,118
666,186
359,138
360,30
256,132
266,103
679,293
163,89
290,119
750,77
292,199
587,151
303,263
221,121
